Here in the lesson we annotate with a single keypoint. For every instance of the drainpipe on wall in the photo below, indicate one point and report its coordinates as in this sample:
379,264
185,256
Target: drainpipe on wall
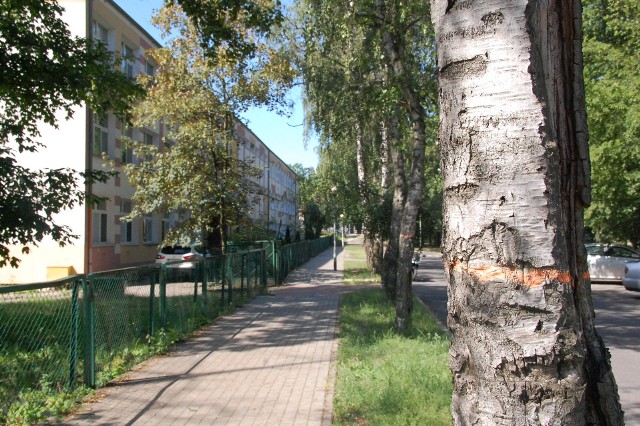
268,188
88,162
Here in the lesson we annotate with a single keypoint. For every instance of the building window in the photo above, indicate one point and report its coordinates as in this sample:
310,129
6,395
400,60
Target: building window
100,222
100,33
149,235
127,60
126,150
100,134
100,142
127,229
150,69
149,139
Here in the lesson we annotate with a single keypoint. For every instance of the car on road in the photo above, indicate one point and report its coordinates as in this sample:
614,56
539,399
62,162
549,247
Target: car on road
181,256
607,261
631,280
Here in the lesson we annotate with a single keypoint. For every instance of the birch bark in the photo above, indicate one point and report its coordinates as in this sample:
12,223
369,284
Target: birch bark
372,243
516,172
390,260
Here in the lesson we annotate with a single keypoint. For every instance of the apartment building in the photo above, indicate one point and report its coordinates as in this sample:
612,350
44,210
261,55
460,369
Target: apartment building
84,141
276,210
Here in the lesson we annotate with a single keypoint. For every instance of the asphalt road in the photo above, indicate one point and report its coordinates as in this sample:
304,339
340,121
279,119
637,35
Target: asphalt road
617,320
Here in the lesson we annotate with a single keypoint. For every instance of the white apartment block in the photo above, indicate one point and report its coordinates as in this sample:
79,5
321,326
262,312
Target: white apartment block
79,143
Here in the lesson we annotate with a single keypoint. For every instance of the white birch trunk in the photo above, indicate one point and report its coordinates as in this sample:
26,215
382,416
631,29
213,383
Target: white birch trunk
390,261
515,165
385,155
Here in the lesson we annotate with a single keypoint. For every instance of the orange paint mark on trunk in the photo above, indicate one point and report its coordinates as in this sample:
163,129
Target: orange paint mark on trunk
530,277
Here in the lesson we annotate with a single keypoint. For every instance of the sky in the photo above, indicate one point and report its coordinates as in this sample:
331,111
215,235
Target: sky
283,135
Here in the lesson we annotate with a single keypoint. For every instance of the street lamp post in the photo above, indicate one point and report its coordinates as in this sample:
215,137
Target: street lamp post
334,192
342,227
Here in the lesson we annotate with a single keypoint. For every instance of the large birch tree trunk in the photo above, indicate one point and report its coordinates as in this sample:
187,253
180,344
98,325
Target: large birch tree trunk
516,172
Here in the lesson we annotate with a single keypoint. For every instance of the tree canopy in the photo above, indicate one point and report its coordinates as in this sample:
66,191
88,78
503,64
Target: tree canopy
199,96
612,82
350,91
223,24
46,71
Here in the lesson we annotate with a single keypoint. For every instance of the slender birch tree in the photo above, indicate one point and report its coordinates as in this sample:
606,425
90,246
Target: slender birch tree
516,177
344,96
405,40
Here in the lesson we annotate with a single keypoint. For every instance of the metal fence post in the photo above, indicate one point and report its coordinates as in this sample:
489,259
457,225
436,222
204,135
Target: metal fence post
204,287
223,278
152,294
256,268
275,262
73,338
242,262
196,274
263,269
229,275
284,264
163,296
89,333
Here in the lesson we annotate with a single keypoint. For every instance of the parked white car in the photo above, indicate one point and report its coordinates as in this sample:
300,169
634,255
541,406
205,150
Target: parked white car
181,256
631,280
607,261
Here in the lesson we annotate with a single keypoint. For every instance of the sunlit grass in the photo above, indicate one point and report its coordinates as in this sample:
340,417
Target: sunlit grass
356,270
382,377
387,379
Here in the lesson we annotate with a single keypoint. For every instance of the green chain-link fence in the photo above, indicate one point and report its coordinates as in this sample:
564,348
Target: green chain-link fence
89,329
38,348
282,260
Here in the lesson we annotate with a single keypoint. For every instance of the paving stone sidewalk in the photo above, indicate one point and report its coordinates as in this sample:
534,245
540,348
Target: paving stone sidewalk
269,363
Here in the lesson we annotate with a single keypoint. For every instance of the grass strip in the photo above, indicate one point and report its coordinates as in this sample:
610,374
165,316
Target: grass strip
356,270
385,378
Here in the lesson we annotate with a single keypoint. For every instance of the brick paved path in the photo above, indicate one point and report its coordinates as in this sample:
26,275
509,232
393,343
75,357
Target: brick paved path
269,363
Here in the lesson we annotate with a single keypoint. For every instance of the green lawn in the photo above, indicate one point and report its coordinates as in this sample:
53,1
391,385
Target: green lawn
356,270
384,378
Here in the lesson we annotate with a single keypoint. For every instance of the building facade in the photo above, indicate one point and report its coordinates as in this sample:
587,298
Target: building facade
88,141
276,209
